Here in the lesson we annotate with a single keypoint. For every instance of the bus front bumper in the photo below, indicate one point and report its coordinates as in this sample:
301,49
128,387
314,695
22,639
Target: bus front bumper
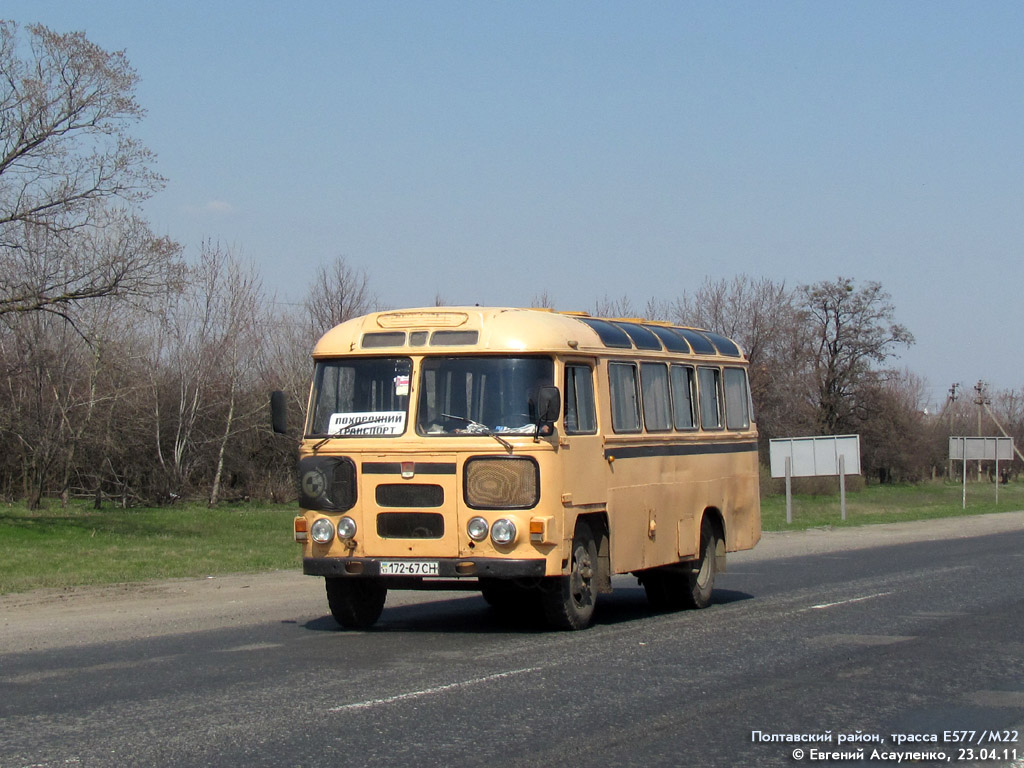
420,573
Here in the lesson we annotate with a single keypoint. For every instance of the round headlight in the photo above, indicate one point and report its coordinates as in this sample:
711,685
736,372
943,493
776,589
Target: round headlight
346,528
477,529
322,531
503,531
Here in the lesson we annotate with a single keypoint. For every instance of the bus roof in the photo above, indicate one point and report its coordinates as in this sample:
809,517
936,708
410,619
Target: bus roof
507,329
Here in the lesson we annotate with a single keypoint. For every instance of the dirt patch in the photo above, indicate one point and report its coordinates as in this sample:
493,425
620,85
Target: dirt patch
50,618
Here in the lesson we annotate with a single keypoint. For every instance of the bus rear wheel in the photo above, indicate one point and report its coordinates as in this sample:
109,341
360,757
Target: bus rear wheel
569,600
356,603
689,585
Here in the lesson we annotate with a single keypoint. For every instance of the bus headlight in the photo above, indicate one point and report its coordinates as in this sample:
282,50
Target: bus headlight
503,532
346,528
477,529
322,531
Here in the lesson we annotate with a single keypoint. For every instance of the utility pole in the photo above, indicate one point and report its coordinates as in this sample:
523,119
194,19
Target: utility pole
982,400
950,399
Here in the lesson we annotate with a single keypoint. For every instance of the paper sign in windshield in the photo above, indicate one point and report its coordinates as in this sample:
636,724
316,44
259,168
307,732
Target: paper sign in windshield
369,423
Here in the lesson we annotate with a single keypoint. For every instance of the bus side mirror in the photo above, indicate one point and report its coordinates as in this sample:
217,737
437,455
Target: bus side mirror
549,405
278,412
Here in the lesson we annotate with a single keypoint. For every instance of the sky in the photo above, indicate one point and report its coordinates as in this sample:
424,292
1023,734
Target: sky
491,152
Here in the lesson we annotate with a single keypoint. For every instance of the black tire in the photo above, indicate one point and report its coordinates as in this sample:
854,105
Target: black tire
688,585
569,600
356,603
700,581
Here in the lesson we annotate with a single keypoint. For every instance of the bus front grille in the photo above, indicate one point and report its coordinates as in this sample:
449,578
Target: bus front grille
410,525
409,495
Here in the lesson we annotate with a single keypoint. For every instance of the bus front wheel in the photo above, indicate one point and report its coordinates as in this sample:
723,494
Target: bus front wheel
356,603
569,600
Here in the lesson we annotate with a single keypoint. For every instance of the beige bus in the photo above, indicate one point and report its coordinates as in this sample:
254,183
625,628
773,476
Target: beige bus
527,454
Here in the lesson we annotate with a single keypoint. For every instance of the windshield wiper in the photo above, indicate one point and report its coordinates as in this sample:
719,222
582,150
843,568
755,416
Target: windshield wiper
482,429
344,427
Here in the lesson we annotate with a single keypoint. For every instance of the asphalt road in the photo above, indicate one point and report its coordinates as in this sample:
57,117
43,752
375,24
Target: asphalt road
828,633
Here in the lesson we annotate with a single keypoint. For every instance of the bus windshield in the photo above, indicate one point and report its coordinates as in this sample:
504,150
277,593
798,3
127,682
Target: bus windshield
360,396
469,395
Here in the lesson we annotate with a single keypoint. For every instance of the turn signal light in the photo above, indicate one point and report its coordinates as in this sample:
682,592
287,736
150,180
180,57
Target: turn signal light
540,528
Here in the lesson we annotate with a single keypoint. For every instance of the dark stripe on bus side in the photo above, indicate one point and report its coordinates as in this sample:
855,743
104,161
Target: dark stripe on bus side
395,468
685,449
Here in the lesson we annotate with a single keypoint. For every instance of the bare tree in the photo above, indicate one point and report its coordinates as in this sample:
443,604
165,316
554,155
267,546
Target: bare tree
620,307
31,428
1007,411
68,165
542,300
897,439
284,364
852,332
66,106
337,293
242,323
761,315
757,312
183,334
118,257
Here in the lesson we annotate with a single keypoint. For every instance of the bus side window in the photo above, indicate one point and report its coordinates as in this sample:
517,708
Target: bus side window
682,397
622,381
580,411
654,381
737,399
708,388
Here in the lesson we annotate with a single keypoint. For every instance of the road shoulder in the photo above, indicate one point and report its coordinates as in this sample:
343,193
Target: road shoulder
45,619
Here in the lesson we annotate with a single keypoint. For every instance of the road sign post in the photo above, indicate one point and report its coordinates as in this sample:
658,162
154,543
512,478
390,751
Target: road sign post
842,487
815,457
980,449
789,490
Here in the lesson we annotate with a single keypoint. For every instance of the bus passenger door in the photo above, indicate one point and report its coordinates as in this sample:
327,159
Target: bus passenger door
581,448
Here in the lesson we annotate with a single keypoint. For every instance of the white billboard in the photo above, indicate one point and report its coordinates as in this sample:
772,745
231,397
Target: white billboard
815,456
981,448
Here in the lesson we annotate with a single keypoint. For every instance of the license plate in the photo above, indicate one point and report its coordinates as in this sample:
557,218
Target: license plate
408,568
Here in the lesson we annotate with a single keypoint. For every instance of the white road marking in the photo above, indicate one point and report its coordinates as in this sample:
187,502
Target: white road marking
847,602
868,640
430,691
250,647
1012,699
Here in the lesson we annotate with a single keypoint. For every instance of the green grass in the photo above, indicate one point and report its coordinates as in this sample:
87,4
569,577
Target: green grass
56,547
890,504
60,548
